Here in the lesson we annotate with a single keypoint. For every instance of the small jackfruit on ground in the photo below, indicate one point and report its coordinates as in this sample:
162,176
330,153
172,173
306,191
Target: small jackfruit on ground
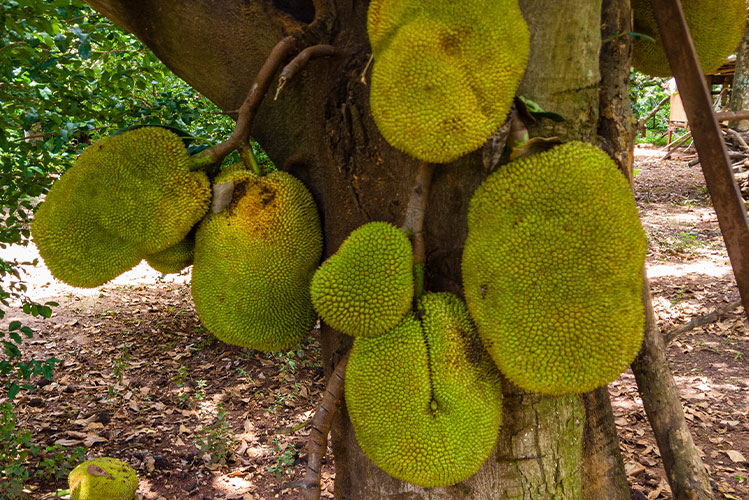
717,27
254,262
103,478
127,197
552,270
367,286
425,398
445,73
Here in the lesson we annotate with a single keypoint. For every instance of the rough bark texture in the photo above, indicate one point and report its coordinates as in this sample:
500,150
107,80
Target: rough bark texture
660,397
740,88
321,130
603,467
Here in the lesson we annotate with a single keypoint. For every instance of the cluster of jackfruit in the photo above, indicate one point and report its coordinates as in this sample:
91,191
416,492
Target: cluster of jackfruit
366,287
717,27
128,197
425,398
103,478
445,73
254,262
552,270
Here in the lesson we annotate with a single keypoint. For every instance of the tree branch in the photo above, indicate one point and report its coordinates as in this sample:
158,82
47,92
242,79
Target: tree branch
246,114
317,443
300,61
711,317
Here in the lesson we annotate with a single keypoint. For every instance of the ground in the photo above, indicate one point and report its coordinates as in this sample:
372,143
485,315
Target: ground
141,380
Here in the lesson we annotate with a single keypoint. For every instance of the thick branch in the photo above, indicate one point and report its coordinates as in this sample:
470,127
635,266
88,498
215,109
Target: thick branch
701,321
317,444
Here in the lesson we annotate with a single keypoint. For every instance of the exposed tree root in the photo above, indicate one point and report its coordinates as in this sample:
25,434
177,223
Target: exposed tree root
317,443
708,318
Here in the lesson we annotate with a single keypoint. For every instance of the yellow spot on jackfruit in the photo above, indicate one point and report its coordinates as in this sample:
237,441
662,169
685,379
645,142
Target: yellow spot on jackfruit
717,27
445,73
366,287
552,270
254,262
424,398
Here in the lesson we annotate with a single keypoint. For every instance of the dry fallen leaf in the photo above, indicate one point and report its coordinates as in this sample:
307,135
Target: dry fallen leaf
735,456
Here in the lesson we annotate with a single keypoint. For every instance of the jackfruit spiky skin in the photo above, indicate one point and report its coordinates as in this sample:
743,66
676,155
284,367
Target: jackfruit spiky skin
425,398
366,287
126,197
118,480
552,270
717,27
445,73
175,258
254,262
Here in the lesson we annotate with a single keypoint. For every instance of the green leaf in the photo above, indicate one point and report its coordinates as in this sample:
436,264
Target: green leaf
14,325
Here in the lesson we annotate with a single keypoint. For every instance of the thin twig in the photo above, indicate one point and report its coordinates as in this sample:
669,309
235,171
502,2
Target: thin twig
248,110
701,321
363,77
738,138
652,113
300,61
317,443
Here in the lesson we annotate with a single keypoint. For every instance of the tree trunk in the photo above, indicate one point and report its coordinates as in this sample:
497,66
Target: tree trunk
740,87
686,473
321,129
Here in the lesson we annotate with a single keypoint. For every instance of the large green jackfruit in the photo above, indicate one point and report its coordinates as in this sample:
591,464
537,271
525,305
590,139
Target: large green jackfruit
126,197
425,398
552,269
717,27
366,287
103,478
254,262
445,73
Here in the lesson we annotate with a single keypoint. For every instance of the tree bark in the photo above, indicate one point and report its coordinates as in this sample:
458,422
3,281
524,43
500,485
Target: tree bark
603,468
740,87
321,129
684,468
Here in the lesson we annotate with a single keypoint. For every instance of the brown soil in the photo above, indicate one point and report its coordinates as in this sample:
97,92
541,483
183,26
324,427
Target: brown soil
139,376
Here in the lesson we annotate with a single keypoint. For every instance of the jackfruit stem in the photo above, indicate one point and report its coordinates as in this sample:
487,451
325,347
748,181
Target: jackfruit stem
413,224
317,444
249,160
247,112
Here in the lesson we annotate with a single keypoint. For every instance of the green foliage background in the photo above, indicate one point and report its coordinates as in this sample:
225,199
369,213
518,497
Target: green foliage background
68,76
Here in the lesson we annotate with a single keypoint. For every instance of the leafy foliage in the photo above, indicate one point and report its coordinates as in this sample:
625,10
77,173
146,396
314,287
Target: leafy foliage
645,93
67,77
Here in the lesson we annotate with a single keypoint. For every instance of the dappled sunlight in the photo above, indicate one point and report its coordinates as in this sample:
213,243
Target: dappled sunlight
713,268
43,286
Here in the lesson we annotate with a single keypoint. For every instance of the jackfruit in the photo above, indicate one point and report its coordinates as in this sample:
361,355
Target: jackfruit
717,27
175,258
552,270
425,398
445,73
254,262
126,197
366,287
103,479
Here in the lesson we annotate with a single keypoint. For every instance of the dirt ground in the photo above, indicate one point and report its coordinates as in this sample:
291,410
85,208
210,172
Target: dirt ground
141,380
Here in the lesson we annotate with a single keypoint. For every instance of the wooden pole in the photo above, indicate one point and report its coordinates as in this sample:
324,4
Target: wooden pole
716,165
